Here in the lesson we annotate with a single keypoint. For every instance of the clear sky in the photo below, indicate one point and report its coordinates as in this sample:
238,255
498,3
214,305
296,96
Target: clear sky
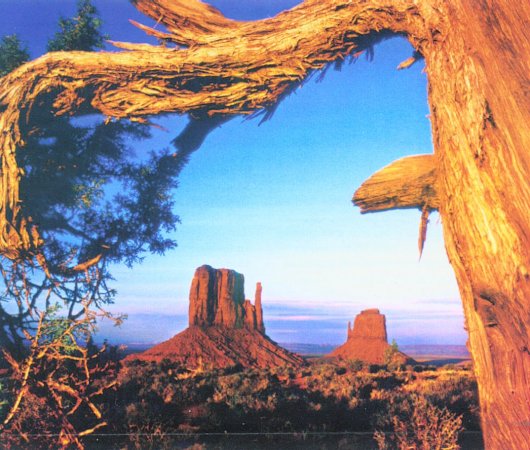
273,201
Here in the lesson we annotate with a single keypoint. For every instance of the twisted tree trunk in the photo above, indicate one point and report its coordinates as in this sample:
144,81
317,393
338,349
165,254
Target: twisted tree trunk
480,102
479,93
477,56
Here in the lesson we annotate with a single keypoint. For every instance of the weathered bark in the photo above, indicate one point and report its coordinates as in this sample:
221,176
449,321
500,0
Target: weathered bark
229,68
477,56
409,182
406,183
480,103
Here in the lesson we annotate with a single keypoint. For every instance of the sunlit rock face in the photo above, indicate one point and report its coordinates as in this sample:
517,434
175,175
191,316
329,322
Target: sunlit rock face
225,330
217,297
367,340
370,323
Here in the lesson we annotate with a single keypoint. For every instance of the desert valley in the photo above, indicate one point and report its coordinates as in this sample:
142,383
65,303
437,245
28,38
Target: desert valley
223,376
223,383
128,135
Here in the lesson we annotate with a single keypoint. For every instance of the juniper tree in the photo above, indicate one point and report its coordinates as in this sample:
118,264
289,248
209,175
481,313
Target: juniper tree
12,54
94,203
476,55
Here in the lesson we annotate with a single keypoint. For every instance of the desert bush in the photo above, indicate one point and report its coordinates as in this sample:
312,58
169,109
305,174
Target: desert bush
334,397
57,389
392,358
355,365
454,389
419,425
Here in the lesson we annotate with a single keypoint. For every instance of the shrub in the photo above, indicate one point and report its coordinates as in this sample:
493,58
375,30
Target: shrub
421,426
356,365
324,398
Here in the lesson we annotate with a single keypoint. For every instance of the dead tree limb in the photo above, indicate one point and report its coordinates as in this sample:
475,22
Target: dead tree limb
228,67
477,55
406,183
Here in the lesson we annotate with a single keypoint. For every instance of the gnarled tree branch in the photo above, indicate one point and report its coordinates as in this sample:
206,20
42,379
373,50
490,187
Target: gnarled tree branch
409,182
229,67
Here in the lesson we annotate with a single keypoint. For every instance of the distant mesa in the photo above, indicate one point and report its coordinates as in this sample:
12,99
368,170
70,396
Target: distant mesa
224,330
367,340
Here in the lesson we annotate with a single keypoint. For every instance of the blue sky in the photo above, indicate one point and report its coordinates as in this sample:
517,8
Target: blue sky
273,201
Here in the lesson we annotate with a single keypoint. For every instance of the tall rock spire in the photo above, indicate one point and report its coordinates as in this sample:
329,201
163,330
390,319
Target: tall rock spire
217,298
259,311
371,324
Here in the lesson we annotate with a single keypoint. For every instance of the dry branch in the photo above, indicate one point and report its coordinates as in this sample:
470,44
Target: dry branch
229,67
409,182
477,57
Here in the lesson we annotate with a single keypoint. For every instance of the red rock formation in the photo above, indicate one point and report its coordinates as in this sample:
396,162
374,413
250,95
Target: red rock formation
250,315
259,311
217,297
225,330
368,324
220,347
367,341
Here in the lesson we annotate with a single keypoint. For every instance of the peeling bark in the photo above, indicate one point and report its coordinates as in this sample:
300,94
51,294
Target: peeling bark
478,60
480,104
409,182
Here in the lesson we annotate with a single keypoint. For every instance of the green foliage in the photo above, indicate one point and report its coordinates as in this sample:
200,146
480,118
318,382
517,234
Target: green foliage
390,352
451,390
392,357
64,334
86,191
95,202
58,386
92,197
79,33
12,54
83,186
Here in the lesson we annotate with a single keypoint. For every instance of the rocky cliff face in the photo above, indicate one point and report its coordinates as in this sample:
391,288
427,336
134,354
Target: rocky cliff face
217,297
224,329
367,340
259,311
370,323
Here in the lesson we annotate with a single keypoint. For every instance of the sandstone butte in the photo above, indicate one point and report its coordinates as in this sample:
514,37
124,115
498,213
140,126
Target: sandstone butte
224,330
367,341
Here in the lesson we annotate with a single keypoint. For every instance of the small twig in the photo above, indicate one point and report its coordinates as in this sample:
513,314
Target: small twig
423,228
